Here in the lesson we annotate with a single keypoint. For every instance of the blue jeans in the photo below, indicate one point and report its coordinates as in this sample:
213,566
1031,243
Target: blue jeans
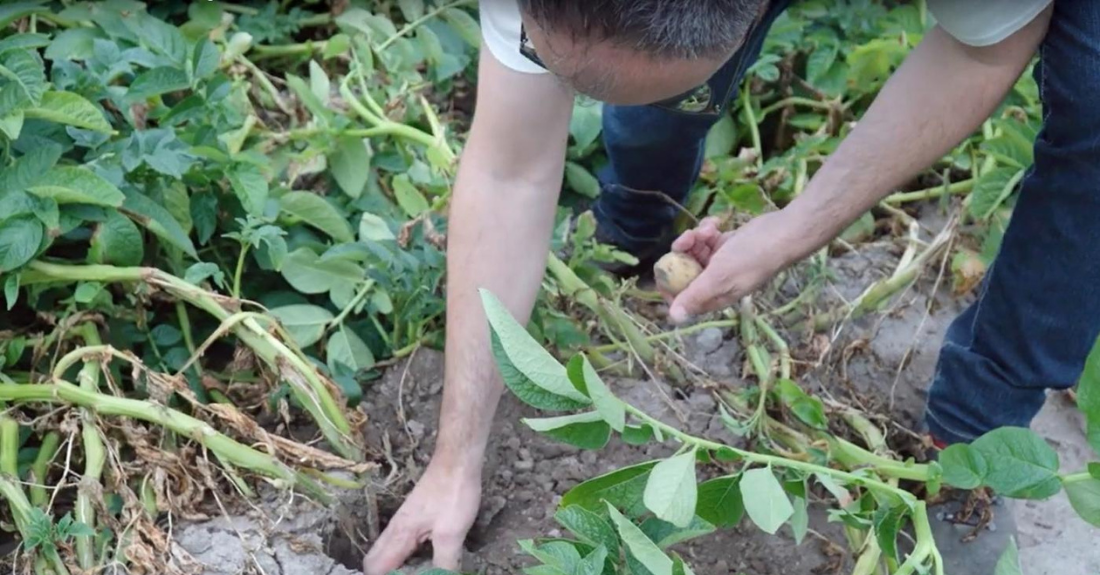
655,150
1038,312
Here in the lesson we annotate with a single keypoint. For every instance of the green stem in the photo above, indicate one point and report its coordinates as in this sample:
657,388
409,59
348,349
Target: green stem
9,447
419,21
40,469
355,301
239,271
721,324
185,329
21,511
305,381
959,188
264,52
225,447
763,459
797,101
95,454
780,346
754,128
382,126
1077,478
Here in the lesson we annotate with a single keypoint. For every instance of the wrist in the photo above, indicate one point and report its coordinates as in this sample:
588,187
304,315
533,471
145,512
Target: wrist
459,458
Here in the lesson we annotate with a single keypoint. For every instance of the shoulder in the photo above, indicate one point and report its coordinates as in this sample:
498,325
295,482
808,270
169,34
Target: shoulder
985,22
500,31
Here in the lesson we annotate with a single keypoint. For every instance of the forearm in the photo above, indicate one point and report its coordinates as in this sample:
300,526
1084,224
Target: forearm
940,95
498,239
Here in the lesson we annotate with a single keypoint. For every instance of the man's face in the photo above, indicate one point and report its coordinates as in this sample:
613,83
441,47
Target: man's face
616,74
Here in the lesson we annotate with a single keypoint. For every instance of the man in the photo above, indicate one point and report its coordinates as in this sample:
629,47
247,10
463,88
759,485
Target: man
1029,330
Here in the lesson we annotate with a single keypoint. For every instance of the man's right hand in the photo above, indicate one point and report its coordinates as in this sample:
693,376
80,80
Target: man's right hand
441,509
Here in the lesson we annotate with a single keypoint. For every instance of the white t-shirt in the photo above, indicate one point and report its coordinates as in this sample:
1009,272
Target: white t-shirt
974,22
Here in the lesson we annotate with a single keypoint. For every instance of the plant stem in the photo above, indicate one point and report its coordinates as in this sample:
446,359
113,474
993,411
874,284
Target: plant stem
797,101
961,187
225,447
305,381
419,21
780,346
355,301
95,455
721,324
754,128
46,453
9,446
240,270
263,52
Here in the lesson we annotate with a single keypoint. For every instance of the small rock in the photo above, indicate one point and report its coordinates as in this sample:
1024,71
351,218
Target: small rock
512,443
524,453
523,464
416,429
721,566
589,457
709,340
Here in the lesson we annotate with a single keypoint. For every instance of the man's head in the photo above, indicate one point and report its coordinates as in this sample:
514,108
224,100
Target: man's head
637,52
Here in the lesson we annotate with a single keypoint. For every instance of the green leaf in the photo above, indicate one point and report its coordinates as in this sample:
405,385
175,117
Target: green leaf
807,408
1088,390
408,197
1084,496
800,520
622,488
11,295
1094,470
306,272
1013,146
586,123
1021,464
202,271
1009,564
609,407
87,291
821,60
319,83
582,181
464,24
722,138
637,434
584,430
411,9
318,213
305,323
12,11
346,348
349,164
373,228
665,534
70,109
20,238
888,523
522,352
671,493
75,44
310,99
251,187
589,527
70,184
524,388
157,220
991,190
28,168
963,467
205,59
641,547
1094,435
719,501
26,41
116,241
26,74
765,501
12,125
158,81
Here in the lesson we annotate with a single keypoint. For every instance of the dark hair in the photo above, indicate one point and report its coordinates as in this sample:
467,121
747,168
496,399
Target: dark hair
668,28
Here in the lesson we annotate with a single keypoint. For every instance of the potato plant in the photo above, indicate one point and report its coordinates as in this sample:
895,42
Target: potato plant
625,521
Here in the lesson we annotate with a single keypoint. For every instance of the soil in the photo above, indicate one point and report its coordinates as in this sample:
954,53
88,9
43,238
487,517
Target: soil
882,363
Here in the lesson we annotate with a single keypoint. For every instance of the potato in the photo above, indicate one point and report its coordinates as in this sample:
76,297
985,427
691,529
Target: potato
675,271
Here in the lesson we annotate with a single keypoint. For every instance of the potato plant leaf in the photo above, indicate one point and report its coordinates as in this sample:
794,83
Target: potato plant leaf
719,501
1088,392
764,499
1084,496
665,534
622,488
20,238
963,467
1009,563
69,109
641,547
888,523
1021,464
117,241
584,430
589,527
671,492
528,358
306,272
71,184
318,213
304,322
346,348
158,220
609,407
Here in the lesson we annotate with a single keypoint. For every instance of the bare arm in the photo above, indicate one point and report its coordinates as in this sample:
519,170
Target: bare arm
500,227
942,92
500,223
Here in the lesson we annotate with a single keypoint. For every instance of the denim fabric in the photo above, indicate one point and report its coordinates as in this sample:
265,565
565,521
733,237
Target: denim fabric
1039,309
655,150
